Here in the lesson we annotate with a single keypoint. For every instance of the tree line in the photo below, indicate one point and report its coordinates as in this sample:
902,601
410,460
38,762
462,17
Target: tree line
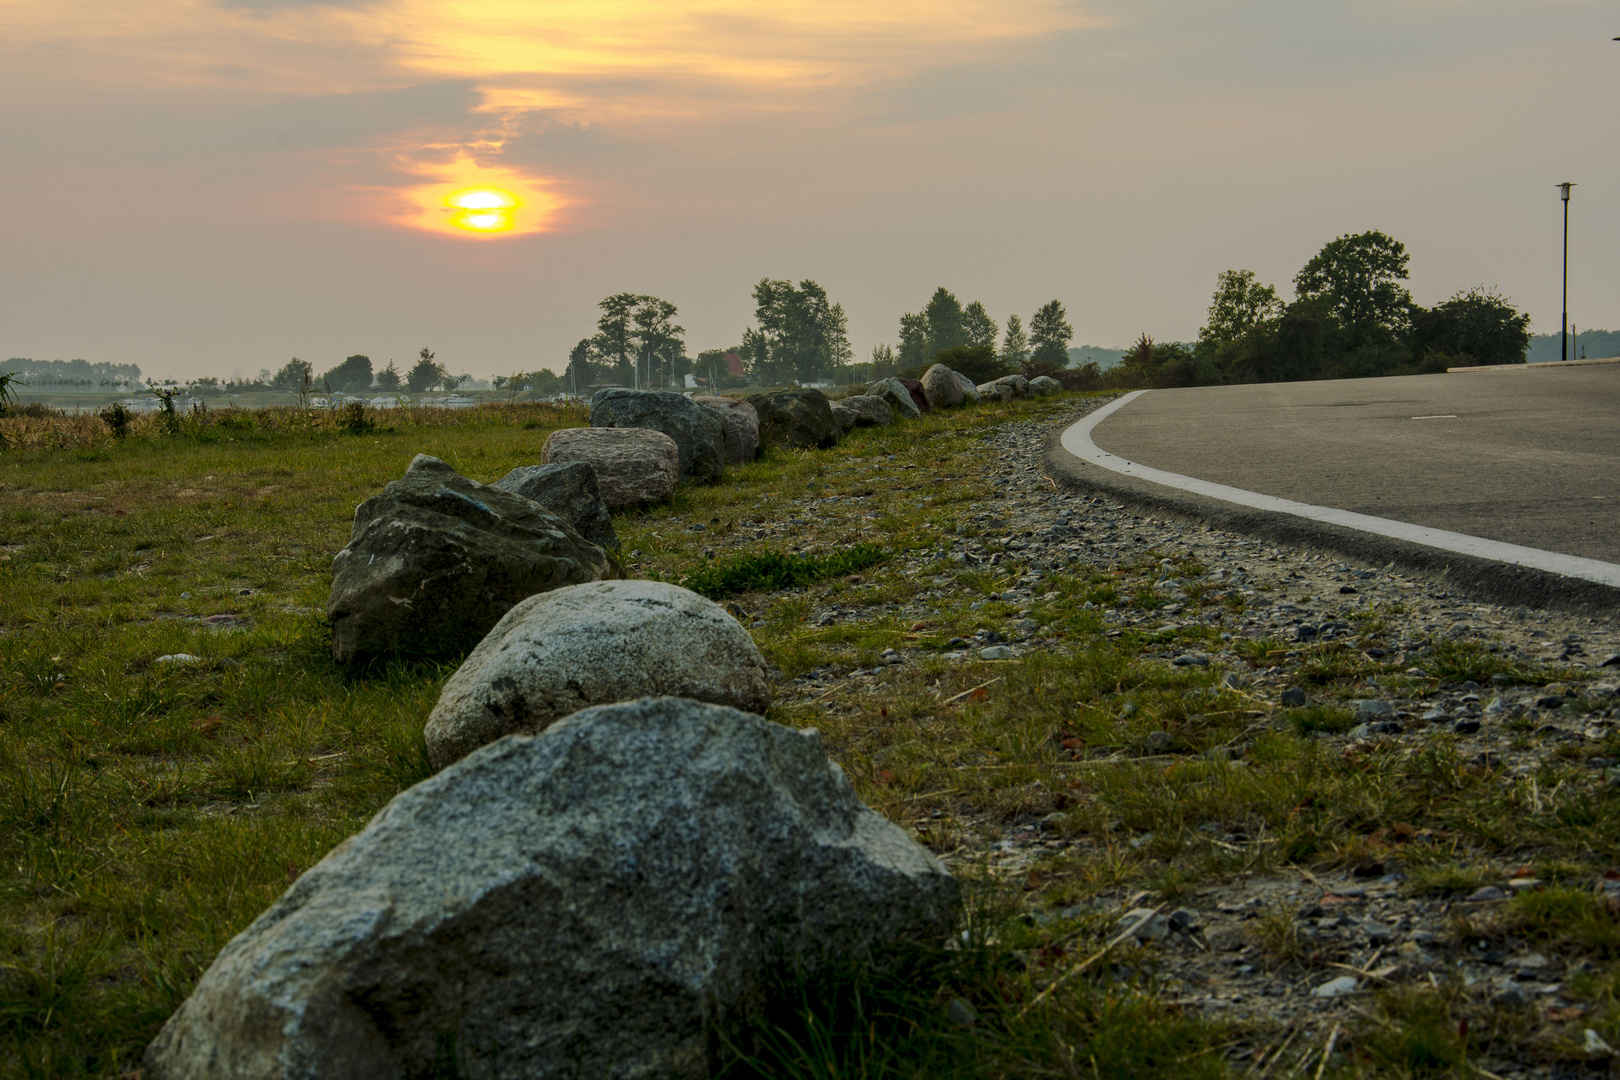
799,334
1351,317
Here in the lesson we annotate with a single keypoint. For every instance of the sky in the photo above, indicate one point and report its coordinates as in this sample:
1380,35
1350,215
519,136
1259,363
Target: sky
206,187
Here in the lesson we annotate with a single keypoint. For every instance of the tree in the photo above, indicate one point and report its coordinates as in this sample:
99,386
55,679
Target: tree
978,362
291,377
978,328
615,340
388,378
1049,334
352,376
424,374
581,370
1476,326
913,352
884,361
944,317
1358,277
801,335
1239,305
659,343
1015,346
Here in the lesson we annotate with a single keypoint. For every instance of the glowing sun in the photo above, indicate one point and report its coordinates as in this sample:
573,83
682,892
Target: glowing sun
483,209
467,199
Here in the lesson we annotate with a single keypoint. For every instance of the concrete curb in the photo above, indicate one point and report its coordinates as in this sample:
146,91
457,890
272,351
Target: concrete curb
1487,579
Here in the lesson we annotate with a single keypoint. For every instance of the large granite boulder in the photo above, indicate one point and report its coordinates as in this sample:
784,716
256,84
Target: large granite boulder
915,388
970,393
584,902
994,391
593,645
1041,385
845,415
940,387
633,466
742,427
436,560
567,489
1018,384
699,432
796,417
870,410
898,397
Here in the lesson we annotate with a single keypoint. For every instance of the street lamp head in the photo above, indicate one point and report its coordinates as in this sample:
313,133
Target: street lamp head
1566,185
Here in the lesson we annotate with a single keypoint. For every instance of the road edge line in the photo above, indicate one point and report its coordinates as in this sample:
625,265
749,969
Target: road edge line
1499,571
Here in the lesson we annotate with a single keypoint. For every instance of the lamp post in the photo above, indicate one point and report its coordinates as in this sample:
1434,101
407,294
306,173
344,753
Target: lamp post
1563,324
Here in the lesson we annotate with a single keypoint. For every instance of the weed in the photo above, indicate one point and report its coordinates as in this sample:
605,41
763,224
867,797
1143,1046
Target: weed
770,571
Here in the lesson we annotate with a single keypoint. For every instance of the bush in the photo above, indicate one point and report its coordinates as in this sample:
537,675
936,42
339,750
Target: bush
116,417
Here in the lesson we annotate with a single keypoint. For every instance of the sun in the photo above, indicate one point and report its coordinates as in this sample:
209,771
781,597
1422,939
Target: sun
483,210
472,199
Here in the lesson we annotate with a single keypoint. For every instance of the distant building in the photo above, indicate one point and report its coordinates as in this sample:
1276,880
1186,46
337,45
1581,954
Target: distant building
734,364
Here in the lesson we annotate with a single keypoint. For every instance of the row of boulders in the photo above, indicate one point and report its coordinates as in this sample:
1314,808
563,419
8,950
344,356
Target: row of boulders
588,900
436,559
704,434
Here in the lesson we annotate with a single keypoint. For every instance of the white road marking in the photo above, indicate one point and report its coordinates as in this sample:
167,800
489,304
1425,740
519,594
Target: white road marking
1077,441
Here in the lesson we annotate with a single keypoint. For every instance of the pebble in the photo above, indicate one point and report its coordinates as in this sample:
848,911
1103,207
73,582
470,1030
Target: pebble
961,1013
1154,926
1344,984
178,658
1486,894
996,652
1374,710
1293,697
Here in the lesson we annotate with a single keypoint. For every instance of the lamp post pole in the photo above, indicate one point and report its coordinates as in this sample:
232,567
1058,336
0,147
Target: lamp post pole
1563,325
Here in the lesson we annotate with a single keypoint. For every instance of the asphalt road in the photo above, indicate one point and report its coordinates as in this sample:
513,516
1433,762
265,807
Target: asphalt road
1528,457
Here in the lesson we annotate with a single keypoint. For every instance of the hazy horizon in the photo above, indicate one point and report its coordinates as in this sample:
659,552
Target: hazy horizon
210,185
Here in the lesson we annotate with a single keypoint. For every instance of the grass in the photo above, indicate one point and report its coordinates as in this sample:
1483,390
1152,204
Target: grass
150,809
772,571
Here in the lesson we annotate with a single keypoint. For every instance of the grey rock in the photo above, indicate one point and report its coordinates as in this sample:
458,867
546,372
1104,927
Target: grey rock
1344,984
1041,385
1145,924
699,432
1377,932
1293,697
1466,727
633,466
870,410
567,489
996,391
961,1013
1191,660
1019,385
796,418
1182,921
1486,894
584,902
742,427
939,385
563,651
436,559
1511,995
970,393
996,652
898,397
1374,710
1157,742
845,415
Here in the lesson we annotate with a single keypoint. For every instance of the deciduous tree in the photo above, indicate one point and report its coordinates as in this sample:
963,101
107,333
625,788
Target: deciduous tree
1359,279
978,328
